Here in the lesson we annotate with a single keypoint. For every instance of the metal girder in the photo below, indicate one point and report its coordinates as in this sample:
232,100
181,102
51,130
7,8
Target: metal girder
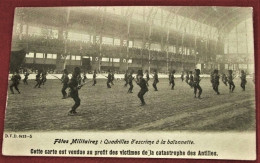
185,18
233,20
223,16
205,19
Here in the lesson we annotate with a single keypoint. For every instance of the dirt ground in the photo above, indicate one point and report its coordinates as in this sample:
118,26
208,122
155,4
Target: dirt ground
103,109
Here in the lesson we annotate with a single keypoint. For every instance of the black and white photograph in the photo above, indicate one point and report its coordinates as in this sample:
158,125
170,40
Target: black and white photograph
136,74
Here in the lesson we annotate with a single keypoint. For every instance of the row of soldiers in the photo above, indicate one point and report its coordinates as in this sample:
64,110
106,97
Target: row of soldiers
74,84
128,78
214,79
40,80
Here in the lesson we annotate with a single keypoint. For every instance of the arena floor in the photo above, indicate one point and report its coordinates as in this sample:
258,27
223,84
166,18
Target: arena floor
102,109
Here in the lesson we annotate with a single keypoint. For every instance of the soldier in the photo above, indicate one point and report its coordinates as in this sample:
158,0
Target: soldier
187,78
142,83
126,78
169,77
65,80
224,79
230,81
109,78
182,76
191,80
44,79
130,82
172,79
94,78
15,82
112,77
147,77
243,80
26,74
38,80
74,87
216,81
155,81
197,83
84,77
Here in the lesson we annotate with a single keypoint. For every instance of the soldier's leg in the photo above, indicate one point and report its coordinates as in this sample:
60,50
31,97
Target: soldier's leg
36,84
11,88
217,88
233,86
77,102
214,88
141,96
173,85
108,85
200,90
243,85
63,90
40,83
16,88
131,88
195,91
154,85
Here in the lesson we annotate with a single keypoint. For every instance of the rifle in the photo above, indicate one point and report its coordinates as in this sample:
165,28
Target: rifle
57,77
83,84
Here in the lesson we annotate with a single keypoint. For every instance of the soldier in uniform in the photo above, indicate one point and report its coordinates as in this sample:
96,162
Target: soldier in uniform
142,83
15,81
26,74
112,77
172,79
191,80
109,78
243,80
230,81
197,83
44,79
38,80
130,82
169,77
216,81
155,81
187,78
182,76
94,78
74,86
126,78
65,80
224,79
147,77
